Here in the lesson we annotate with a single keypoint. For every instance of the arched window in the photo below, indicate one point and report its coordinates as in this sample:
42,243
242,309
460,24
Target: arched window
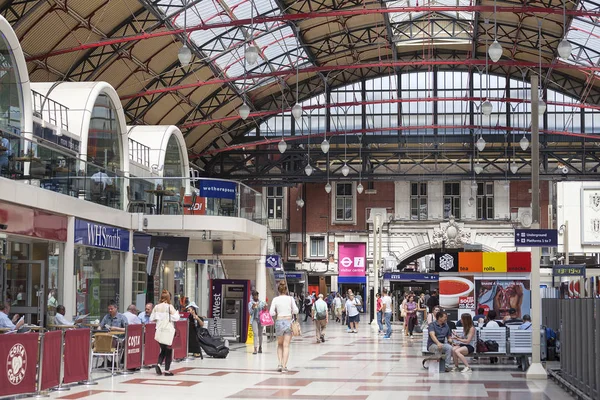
104,147
11,94
173,165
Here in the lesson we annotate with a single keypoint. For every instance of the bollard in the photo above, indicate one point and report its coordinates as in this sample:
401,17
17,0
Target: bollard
60,387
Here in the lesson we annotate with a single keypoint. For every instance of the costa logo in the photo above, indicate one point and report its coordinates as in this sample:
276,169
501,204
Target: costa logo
16,364
346,262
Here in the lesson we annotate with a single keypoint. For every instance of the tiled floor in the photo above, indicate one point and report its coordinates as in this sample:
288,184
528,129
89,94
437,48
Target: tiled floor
346,367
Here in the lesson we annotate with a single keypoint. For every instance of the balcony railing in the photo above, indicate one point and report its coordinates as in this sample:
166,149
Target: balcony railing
139,153
50,111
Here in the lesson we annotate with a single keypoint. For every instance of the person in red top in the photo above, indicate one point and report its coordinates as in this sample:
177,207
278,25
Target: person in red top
379,315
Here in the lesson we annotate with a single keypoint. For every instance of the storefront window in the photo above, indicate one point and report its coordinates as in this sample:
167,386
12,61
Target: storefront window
98,278
104,153
11,97
140,278
173,165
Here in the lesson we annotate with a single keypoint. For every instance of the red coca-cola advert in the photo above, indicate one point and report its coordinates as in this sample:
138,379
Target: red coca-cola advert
133,346
151,346
19,354
51,360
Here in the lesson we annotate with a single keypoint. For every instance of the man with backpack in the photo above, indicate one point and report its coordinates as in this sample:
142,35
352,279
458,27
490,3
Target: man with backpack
320,315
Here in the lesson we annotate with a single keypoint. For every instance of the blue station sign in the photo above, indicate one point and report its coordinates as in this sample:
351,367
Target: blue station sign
405,276
536,238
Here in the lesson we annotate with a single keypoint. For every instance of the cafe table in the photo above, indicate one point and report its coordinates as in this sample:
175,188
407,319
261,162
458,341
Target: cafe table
160,193
28,159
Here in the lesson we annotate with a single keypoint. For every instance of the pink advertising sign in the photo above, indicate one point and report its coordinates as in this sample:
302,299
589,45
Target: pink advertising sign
351,259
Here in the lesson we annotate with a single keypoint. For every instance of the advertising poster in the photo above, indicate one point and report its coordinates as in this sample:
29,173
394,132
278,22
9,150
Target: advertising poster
501,295
457,292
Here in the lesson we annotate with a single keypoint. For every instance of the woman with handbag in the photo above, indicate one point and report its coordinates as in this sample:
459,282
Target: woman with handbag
165,314
255,306
284,309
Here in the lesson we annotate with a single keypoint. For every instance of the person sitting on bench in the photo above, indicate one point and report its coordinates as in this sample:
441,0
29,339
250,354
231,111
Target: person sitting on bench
464,345
439,331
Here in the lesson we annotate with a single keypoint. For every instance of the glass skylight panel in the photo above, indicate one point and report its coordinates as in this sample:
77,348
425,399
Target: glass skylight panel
277,42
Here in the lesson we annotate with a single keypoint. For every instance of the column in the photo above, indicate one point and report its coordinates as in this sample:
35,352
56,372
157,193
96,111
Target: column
127,276
261,271
66,274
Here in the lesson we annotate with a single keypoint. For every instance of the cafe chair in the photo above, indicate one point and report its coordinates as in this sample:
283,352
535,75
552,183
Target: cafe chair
135,206
102,346
174,204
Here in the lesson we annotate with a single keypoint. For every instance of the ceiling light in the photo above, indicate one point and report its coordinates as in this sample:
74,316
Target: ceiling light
487,108
564,49
282,146
345,170
480,143
325,146
300,202
244,111
328,187
524,143
514,168
478,168
297,111
541,106
251,55
474,185
308,169
184,55
360,188
495,51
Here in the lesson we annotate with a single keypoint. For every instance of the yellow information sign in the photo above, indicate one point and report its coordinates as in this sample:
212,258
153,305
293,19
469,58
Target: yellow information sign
494,262
250,339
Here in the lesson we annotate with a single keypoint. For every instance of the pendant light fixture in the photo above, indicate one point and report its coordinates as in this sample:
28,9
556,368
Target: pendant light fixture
251,53
495,50
564,47
360,187
308,169
345,169
514,168
478,168
486,106
184,54
524,143
300,202
328,185
325,146
297,109
474,185
282,145
480,143
244,111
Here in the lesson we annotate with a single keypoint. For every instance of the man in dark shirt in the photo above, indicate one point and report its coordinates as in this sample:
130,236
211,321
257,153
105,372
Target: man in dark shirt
512,318
480,315
433,301
439,332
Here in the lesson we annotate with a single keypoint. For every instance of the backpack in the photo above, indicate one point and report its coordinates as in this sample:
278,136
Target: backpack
492,346
321,315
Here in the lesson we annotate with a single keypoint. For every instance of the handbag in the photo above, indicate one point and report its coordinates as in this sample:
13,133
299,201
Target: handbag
265,318
296,331
492,346
481,346
165,331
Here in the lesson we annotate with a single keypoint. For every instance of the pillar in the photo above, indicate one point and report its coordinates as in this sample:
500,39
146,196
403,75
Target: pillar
261,271
67,272
127,277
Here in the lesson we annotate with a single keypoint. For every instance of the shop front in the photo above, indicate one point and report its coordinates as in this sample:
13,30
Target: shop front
100,252
31,253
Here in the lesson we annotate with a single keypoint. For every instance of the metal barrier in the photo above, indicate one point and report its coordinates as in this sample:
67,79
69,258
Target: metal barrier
580,351
551,314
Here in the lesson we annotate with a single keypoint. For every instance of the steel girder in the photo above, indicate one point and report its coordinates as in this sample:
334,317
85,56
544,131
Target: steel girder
411,161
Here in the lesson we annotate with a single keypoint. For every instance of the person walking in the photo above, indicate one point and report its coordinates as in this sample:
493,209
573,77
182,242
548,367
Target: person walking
255,306
337,305
283,309
307,306
320,316
386,311
352,313
164,311
379,313
411,314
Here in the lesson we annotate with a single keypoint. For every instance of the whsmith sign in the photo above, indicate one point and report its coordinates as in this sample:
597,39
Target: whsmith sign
103,236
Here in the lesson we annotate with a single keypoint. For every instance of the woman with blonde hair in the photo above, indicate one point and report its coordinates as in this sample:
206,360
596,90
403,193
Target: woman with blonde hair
283,309
164,311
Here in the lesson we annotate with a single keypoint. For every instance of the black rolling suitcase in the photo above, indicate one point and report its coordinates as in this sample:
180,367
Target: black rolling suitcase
212,347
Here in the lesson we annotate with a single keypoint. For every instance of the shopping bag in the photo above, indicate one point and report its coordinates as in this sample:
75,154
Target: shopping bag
165,332
265,318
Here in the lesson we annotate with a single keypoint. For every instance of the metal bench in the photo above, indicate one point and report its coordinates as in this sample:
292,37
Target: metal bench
520,343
